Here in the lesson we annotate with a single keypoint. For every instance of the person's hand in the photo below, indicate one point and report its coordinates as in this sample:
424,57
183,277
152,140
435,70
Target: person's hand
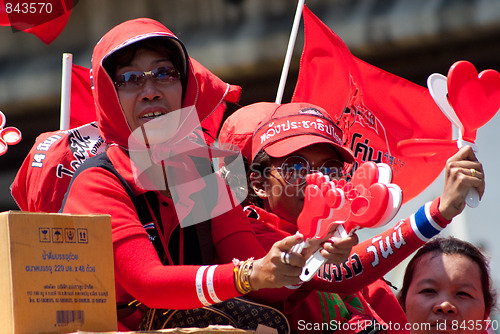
276,270
463,171
337,250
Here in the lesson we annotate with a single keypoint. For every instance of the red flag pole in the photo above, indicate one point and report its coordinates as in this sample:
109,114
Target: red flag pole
289,52
67,63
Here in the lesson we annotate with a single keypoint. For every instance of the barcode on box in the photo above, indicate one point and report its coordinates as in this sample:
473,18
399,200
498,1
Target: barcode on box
70,316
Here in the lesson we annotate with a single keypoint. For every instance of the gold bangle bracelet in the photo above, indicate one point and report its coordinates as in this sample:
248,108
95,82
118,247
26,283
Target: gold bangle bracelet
242,271
246,272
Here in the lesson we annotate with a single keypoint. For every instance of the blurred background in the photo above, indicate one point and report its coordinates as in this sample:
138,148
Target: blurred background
244,42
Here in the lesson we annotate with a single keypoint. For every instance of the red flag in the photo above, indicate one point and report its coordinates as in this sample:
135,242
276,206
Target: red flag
207,81
82,109
376,109
46,20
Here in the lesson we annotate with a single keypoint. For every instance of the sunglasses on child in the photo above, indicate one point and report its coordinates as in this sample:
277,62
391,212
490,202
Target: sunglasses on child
165,75
295,168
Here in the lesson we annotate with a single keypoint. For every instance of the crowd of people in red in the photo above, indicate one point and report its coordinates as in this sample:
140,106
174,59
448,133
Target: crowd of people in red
143,75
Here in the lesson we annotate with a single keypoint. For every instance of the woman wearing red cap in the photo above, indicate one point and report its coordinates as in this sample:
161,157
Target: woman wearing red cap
150,99
290,138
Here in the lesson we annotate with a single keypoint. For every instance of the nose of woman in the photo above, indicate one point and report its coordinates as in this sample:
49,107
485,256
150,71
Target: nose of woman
446,307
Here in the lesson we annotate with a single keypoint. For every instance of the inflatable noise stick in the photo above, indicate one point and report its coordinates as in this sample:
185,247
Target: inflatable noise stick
369,200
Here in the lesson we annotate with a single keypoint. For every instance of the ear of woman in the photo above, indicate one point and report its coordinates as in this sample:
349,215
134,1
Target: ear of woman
259,185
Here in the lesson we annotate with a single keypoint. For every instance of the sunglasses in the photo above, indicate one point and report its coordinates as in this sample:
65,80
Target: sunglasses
165,75
295,169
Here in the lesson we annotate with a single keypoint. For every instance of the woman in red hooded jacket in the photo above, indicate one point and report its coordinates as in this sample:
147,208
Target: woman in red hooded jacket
150,100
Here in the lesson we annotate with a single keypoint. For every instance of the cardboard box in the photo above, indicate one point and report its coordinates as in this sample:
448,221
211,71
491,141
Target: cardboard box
56,273
212,329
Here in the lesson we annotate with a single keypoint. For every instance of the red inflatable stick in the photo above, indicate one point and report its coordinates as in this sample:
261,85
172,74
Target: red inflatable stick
315,210
8,136
315,207
371,200
368,200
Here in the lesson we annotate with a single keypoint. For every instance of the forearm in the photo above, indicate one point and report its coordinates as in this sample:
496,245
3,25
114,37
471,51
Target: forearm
140,272
376,256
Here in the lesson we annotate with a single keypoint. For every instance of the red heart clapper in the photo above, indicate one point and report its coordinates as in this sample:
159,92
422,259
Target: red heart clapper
469,100
475,98
369,200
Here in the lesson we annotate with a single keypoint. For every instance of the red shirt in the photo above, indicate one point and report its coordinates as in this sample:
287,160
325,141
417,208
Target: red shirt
138,269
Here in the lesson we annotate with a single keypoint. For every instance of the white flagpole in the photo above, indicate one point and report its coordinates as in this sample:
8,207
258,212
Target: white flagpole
289,52
67,64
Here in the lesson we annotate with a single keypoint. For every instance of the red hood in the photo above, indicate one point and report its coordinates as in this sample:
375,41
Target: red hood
205,91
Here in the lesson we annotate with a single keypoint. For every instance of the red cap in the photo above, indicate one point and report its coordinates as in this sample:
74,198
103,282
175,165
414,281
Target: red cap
237,131
292,126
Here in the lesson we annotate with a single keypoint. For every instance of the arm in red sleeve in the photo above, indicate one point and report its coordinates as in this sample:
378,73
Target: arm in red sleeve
243,245
373,258
138,268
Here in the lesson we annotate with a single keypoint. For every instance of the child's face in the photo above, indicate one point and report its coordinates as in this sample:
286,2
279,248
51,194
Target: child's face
284,199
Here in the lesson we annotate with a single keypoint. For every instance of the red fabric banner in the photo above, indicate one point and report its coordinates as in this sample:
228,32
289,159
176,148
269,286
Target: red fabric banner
82,109
375,109
46,20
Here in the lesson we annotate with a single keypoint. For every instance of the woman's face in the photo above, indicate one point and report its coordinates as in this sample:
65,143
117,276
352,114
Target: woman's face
287,200
445,295
143,103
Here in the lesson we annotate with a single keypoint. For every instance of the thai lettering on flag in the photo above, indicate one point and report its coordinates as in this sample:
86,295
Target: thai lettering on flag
82,110
375,109
46,19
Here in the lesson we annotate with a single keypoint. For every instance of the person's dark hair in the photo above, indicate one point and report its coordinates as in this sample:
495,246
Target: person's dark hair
163,45
261,165
450,246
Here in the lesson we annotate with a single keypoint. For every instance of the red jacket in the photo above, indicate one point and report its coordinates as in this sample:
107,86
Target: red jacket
44,176
139,273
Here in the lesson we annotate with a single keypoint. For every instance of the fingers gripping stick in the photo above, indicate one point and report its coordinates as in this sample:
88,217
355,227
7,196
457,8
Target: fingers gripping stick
368,200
